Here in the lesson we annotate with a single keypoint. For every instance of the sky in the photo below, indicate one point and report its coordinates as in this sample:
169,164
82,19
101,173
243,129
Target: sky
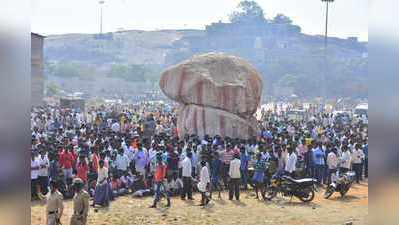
347,18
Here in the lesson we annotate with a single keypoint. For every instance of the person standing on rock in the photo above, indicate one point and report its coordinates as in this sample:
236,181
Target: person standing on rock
235,177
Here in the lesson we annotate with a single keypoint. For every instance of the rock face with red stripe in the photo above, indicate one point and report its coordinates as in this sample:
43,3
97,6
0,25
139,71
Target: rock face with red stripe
218,94
200,120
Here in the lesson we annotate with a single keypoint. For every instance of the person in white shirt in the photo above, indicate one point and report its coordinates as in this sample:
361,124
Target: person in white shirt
204,142
332,163
203,184
101,195
187,179
357,159
364,119
265,155
109,122
121,162
284,154
44,165
115,127
290,165
291,130
235,177
130,152
152,153
344,160
34,176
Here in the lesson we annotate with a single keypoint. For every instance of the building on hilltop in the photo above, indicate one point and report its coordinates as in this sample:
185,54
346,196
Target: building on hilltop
252,29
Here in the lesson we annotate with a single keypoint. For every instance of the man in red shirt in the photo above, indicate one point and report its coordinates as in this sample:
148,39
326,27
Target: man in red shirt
66,161
159,177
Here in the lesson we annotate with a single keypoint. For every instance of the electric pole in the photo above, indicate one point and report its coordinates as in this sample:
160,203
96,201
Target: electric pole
101,15
324,84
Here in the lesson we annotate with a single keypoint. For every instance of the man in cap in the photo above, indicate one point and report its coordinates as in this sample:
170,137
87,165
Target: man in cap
80,203
55,206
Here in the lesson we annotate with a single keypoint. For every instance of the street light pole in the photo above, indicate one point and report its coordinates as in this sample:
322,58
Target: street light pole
326,29
325,51
101,15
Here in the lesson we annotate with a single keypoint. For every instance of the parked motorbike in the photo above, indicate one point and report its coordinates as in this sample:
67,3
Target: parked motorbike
304,189
342,184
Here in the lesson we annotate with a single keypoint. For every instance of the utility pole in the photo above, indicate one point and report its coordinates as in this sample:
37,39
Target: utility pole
101,15
324,84
326,29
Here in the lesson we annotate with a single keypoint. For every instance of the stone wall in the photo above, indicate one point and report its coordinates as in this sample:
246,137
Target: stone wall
37,77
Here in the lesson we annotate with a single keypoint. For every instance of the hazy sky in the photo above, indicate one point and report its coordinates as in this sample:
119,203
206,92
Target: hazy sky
347,17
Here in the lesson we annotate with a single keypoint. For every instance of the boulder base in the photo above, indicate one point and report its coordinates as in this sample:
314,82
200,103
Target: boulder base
194,119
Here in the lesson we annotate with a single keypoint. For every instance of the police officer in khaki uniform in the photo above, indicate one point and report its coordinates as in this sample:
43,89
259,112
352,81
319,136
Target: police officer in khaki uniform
80,203
55,206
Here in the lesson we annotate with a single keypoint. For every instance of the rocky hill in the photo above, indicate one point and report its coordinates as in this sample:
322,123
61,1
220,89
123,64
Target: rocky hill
290,61
130,47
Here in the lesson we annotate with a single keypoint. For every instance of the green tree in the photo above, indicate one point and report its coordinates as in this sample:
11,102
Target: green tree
119,71
133,72
52,89
247,11
87,73
49,68
65,69
282,19
137,73
288,80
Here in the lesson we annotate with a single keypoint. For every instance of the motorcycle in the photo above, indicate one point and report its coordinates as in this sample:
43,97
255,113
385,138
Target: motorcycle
342,184
304,189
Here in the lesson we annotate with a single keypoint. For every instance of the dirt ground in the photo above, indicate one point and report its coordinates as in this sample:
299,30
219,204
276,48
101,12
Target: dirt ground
127,210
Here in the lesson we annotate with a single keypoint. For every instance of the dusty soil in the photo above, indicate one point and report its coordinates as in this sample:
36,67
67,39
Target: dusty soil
127,210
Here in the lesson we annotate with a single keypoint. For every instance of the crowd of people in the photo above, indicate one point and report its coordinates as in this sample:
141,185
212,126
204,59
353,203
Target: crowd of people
110,151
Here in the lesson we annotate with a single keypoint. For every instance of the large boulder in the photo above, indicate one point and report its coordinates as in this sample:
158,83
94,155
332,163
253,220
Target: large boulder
214,80
218,95
194,119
